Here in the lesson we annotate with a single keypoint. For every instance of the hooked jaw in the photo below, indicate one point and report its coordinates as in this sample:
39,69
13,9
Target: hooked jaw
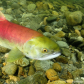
49,56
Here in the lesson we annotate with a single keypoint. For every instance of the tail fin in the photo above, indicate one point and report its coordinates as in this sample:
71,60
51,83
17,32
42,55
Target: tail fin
2,17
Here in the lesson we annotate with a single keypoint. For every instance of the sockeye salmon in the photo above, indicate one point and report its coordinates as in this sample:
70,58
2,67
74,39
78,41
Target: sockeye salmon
30,42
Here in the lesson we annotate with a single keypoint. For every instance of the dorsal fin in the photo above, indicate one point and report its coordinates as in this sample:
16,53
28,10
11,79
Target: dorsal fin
2,17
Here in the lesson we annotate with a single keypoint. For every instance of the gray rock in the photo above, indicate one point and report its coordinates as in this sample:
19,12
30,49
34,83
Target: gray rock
43,65
31,7
61,22
37,78
62,44
10,69
51,18
66,52
73,18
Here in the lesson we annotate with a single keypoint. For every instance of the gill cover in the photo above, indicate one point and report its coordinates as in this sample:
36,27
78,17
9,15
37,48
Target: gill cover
41,48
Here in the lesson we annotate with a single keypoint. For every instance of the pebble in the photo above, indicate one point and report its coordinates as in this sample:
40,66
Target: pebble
63,8
77,72
77,32
31,7
1,73
65,74
22,62
57,82
82,32
73,18
48,28
61,22
37,78
57,67
31,70
52,74
43,65
20,71
62,59
9,69
62,44
15,78
51,18
66,52
55,13
60,34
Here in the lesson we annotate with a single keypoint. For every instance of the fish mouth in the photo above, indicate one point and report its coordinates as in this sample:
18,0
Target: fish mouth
49,56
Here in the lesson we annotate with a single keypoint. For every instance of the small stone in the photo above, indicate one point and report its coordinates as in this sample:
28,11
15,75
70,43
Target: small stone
62,44
69,81
55,13
77,72
39,5
62,59
31,7
20,71
61,22
60,34
66,52
56,67
52,74
22,62
47,34
1,73
57,82
48,28
82,32
10,69
77,32
44,21
51,18
50,6
14,78
65,74
83,26
73,18
64,8
31,70
15,5
43,65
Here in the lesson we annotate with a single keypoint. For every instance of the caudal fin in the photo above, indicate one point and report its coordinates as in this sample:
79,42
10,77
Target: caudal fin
2,17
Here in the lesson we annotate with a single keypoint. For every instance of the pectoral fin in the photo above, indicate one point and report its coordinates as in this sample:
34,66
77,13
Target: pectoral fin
14,54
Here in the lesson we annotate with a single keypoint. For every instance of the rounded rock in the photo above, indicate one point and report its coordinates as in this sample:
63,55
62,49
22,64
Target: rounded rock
31,7
52,74
57,67
10,69
73,18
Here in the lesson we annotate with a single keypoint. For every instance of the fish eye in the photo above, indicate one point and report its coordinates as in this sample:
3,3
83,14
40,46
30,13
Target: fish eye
44,50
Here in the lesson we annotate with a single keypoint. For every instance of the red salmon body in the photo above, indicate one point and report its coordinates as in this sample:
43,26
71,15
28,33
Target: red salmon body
16,33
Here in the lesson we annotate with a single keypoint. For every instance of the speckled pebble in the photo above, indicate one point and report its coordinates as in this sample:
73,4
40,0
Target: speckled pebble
10,69
60,34
31,7
52,74
62,44
66,52
57,67
62,59
57,82
22,62
31,70
43,65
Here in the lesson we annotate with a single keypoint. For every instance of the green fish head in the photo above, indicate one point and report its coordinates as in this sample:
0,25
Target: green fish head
41,48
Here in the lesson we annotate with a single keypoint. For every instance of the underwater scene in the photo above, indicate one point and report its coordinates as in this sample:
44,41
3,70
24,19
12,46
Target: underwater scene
41,41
